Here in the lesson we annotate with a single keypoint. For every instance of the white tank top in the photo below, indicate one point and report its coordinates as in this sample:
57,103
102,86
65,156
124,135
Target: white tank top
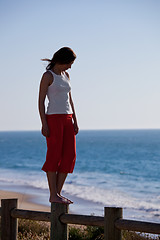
58,95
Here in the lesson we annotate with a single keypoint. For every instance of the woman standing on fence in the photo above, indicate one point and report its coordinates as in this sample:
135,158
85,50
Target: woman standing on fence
59,123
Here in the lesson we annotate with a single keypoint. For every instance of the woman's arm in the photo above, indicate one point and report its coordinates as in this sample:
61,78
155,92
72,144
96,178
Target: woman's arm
46,80
76,129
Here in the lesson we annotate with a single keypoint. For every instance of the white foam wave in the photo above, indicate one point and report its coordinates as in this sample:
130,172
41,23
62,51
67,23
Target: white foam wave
103,196
34,181
114,198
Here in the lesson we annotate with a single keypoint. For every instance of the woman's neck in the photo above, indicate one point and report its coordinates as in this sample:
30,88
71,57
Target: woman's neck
57,70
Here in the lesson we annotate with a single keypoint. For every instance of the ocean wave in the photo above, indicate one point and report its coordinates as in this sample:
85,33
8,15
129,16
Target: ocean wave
22,179
75,186
114,198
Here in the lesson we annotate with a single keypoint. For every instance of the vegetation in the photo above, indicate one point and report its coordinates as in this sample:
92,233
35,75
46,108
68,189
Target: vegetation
97,233
28,229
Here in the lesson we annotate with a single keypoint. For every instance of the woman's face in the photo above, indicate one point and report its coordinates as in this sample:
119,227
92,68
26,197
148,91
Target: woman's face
66,66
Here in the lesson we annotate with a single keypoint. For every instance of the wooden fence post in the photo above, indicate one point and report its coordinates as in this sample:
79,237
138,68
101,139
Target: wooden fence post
59,230
110,231
9,226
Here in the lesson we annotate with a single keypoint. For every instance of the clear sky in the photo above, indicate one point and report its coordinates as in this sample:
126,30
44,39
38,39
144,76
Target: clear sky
116,76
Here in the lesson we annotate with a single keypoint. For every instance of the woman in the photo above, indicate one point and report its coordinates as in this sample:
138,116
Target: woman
59,123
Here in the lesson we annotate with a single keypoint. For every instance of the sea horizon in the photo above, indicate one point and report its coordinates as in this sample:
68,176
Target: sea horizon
105,129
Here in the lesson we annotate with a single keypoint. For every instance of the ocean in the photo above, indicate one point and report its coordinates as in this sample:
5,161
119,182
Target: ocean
119,168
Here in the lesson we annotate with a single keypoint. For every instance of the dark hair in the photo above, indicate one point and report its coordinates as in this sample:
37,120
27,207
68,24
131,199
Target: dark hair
64,55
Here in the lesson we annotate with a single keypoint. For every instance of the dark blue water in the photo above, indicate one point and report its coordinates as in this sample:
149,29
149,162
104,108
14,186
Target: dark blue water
113,168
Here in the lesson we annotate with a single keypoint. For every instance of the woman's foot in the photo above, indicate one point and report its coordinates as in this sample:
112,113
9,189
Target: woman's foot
59,199
67,199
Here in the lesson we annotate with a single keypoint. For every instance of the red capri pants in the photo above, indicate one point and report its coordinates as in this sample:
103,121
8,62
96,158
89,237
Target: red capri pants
61,144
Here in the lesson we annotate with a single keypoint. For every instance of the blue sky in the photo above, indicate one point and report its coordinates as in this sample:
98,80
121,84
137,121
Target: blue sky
116,76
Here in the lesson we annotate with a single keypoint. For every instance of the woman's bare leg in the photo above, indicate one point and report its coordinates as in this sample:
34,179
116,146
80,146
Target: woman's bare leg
61,177
54,196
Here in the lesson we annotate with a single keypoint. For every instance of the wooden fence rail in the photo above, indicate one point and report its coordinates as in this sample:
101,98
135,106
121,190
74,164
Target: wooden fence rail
59,217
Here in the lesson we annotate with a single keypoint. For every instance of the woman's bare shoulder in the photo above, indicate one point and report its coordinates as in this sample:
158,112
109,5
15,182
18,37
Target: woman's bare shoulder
47,74
47,77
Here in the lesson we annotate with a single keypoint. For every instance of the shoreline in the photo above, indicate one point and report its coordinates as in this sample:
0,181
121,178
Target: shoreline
25,201
36,201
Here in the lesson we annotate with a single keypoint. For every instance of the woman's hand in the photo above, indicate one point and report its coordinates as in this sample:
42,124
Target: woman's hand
45,130
76,128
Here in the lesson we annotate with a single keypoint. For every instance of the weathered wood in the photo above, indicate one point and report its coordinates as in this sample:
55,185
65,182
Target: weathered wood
138,226
59,218
82,220
59,230
9,227
110,230
32,215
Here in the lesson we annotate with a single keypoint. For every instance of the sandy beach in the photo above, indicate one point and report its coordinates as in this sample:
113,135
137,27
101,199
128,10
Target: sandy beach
25,201
34,201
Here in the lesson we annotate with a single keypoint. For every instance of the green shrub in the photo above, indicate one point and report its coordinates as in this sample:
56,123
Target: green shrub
87,233
76,234
94,233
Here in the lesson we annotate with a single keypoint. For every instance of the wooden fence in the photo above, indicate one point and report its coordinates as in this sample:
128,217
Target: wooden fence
59,217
